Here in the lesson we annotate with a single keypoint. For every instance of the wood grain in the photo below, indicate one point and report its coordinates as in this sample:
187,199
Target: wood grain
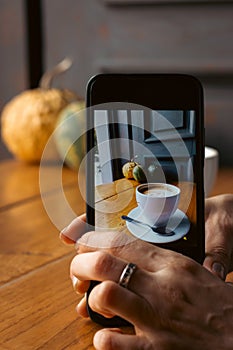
118,198
37,302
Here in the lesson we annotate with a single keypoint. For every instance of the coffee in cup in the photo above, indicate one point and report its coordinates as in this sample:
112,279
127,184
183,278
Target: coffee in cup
157,201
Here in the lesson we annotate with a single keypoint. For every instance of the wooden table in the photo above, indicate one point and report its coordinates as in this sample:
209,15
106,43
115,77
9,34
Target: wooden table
112,200
37,302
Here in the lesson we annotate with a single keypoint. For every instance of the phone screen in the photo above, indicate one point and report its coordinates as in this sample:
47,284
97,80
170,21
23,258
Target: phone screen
145,169
141,150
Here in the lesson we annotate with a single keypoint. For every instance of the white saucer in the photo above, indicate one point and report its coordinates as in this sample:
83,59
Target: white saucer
178,223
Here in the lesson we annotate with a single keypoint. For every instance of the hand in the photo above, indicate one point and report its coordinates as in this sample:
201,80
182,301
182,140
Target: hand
172,301
219,235
71,233
219,210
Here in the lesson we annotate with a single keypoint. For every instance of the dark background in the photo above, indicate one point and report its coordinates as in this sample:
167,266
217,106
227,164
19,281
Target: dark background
193,37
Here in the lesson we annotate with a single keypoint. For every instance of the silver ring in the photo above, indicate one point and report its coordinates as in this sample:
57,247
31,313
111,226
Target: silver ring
127,274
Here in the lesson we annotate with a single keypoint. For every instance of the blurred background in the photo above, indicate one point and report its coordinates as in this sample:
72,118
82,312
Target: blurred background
193,37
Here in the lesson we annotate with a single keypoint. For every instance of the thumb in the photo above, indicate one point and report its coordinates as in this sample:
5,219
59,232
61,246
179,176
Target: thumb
74,231
219,235
218,251
214,263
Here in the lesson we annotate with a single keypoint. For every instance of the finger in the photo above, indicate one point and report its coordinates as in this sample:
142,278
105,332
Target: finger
109,298
101,266
218,252
97,266
208,206
219,238
93,240
81,308
74,231
113,339
79,287
145,255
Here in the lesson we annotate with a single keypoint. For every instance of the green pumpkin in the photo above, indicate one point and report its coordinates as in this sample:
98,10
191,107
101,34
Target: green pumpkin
138,174
71,124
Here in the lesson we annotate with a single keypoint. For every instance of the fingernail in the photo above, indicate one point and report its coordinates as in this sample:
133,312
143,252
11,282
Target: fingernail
219,270
67,240
62,233
64,229
74,283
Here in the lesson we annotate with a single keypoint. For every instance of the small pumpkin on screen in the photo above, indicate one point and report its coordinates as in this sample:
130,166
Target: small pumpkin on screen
138,174
127,169
133,170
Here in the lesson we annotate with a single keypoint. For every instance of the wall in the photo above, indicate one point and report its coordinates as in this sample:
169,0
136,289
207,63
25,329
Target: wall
192,37
13,60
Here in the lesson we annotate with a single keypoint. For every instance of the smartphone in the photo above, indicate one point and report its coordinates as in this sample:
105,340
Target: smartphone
145,138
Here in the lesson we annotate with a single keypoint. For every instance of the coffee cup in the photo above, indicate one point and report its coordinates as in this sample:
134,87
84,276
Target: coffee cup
157,201
210,169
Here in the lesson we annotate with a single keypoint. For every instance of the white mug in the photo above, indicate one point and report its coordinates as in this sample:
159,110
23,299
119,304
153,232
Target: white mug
157,201
210,169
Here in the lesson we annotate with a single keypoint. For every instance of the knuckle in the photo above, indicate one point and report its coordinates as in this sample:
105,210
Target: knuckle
103,340
110,289
219,253
106,293
189,265
104,262
103,297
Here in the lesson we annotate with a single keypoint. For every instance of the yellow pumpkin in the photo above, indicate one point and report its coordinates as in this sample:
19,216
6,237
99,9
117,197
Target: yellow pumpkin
29,119
127,169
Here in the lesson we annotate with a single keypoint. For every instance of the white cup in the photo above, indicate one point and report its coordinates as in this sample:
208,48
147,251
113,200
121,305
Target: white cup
210,169
157,201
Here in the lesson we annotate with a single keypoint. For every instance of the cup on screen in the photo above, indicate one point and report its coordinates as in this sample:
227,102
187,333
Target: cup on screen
157,201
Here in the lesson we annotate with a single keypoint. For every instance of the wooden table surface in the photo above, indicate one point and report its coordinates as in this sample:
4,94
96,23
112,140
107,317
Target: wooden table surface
37,302
112,200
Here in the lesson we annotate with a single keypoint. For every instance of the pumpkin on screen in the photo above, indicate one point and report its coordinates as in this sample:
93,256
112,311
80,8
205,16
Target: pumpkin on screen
127,169
133,170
